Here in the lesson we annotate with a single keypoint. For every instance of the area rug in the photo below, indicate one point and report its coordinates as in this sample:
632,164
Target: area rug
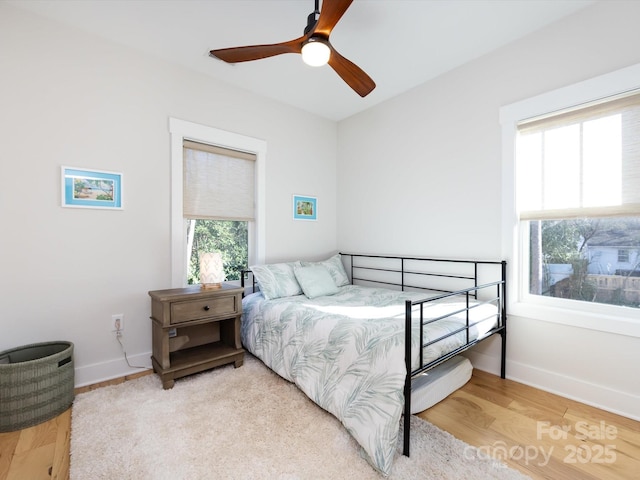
244,423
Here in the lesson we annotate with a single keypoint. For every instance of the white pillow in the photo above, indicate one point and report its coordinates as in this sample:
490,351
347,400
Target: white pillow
334,267
277,280
315,281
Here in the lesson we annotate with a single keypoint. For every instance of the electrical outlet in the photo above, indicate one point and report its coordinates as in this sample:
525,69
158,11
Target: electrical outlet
117,322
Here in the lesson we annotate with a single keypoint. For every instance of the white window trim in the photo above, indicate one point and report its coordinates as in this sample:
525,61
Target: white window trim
600,317
181,129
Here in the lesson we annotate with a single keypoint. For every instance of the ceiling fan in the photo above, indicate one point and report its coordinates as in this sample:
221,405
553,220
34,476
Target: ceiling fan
314,46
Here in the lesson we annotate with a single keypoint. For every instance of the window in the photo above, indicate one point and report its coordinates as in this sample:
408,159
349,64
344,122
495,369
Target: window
572,189
218,206
217,199
578,179
623,256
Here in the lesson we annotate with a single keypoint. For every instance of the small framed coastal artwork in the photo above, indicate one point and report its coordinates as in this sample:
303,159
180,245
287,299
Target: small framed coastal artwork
82,188
305,207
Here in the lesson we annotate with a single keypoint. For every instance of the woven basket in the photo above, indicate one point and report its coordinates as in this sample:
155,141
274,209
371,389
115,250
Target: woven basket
36,384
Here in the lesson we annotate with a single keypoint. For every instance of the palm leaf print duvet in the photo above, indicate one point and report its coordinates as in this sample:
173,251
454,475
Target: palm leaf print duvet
346,353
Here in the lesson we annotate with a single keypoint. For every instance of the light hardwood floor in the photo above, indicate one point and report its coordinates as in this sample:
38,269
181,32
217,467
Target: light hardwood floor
546,436
543,435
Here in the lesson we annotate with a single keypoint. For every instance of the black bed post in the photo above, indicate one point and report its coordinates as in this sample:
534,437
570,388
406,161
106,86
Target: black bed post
407,380
351,262
503,335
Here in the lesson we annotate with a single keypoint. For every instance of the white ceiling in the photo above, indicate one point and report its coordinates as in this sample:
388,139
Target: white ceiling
399,43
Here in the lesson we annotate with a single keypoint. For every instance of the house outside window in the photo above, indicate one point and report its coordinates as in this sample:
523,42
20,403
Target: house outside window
572,212
579,259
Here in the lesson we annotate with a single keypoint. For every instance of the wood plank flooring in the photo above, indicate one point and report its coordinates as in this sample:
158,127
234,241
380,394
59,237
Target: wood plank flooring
39,452
543,435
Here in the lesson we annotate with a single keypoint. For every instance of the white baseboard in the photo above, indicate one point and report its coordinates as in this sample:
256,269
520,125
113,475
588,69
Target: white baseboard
101,372
599,396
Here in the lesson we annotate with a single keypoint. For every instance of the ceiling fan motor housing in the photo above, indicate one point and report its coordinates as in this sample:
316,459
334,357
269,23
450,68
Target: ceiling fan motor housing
312,19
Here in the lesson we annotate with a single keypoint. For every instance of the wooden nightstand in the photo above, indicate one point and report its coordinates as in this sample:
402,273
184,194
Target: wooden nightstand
195,329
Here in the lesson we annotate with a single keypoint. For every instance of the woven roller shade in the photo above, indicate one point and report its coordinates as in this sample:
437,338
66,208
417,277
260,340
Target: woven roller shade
219,183
581,162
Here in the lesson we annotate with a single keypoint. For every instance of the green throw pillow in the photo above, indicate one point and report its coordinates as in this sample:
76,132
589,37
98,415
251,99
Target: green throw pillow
334,267
315,280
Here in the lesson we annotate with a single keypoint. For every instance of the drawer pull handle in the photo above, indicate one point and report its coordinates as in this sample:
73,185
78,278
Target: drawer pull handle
206,307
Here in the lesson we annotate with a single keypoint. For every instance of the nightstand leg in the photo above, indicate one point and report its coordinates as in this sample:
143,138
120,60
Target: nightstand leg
168,384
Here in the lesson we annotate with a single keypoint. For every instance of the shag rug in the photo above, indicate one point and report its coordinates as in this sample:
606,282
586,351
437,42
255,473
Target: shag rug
245,423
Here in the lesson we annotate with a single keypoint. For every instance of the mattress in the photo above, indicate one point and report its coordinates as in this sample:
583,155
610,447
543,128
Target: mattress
436,384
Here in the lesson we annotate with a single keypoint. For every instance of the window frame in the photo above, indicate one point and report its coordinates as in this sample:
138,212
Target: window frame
624,254
601,317
179,131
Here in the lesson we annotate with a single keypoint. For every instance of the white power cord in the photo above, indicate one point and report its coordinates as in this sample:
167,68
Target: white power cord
124,350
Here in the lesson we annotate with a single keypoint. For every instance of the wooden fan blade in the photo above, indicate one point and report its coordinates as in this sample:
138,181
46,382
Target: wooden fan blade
331,13
352,74
256,52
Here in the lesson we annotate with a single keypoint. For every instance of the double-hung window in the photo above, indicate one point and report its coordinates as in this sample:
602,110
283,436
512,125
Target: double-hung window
572,214
218,206
217,203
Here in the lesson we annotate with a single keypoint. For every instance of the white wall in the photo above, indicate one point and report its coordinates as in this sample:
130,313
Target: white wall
69,98
421,174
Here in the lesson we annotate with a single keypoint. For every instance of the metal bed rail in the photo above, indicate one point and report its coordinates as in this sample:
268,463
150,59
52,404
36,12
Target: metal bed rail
391,270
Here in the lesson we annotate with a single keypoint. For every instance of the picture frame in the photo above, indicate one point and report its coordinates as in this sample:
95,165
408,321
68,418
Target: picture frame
85,188
305,207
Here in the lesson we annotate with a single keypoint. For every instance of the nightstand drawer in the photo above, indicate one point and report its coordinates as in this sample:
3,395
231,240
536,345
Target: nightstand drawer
197,309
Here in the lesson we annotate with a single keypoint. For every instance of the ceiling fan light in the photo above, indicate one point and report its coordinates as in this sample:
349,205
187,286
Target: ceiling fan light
315,52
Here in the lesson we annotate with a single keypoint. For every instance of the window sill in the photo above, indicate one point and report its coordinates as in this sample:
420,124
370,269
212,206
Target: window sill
623,323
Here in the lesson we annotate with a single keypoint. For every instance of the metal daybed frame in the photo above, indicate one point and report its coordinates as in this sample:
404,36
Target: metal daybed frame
428,274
